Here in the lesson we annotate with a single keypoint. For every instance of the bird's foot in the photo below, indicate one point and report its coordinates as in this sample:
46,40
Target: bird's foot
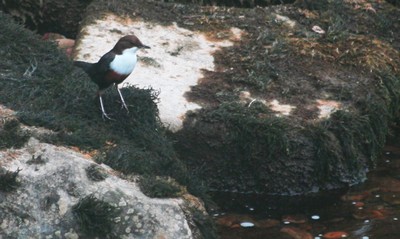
124,106
105,116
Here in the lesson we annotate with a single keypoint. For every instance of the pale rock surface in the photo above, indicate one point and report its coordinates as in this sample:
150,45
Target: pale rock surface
172,65
41,206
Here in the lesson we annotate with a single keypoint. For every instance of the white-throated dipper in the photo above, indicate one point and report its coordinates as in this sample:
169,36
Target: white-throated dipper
113,67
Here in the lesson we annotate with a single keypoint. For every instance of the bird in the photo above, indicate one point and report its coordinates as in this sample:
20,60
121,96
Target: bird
113,67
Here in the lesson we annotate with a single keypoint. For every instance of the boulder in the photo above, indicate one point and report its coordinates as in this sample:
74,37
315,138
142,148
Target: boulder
53,184
279,100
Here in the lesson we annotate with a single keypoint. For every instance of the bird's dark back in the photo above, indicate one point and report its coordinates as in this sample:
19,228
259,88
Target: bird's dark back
95,72
99,71
86,66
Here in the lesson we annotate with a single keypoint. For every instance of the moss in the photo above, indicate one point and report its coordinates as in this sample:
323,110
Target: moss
95,173
253,131
326,151
62,98
95,217
11,135
205,224
235,145
8,180
156,187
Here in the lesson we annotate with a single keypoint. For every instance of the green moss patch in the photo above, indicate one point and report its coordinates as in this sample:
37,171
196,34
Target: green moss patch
157,187
96,173
95,217
11,135
8,180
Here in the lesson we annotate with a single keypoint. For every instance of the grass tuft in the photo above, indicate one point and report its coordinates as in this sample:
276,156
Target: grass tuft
95,173
95,217
8,180
11,135
156,187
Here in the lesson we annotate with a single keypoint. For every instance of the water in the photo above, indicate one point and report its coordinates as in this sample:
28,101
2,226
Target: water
367,211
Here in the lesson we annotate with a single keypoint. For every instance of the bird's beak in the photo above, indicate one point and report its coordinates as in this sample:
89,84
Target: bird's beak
144,46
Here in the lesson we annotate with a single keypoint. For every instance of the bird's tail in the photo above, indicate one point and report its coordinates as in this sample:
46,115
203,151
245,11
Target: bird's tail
86,66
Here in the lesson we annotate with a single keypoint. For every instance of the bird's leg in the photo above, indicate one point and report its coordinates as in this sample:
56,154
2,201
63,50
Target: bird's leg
104,114
122,99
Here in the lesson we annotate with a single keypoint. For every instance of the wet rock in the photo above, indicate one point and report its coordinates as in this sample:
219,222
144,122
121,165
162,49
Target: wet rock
43,199
247,224
267,223
335,235
230,220
355,197
296,233
363,214
358,204
297,219
389,184
392,198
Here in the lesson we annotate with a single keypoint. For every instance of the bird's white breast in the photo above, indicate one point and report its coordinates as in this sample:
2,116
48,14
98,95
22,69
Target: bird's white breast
125,63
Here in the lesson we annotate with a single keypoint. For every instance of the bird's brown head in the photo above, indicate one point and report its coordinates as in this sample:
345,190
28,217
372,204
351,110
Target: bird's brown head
126,42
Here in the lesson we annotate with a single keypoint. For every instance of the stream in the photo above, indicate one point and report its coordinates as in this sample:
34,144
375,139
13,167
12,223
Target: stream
370,210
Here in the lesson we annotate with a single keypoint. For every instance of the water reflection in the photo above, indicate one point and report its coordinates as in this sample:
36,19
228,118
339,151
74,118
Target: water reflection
367,211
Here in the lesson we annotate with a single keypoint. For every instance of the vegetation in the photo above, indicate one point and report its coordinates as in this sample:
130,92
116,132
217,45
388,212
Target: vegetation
95,173
232,143
95,217
11,135
156,187
41,85
205,224
355,63
8,180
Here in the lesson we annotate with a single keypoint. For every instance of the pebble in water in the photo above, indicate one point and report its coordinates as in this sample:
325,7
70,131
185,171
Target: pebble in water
247,224
315,217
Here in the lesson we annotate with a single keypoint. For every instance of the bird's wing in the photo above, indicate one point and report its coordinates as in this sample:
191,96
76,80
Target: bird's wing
100,70
103,65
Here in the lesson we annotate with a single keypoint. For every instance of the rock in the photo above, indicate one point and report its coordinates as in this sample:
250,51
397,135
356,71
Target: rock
267,223
389,184
297,219
363,214
247,224
335,235
229,220
62,42
392,198
243,145
173,64
355,197
257,101
48,192
296,233
358,204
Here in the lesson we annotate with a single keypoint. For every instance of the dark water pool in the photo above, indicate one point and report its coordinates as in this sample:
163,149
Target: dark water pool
367,211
